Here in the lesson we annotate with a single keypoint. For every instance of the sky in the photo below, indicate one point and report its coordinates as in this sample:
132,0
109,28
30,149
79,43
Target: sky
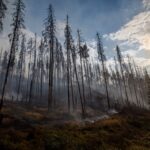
90,16
122,22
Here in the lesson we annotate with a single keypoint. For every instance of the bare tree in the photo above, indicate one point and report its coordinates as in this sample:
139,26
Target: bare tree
29,51
74,57
4,65
18,23
41,48
118,80
102,58
68,45
21,64
33,71
49,35
81,53
133,79
86,67
122,73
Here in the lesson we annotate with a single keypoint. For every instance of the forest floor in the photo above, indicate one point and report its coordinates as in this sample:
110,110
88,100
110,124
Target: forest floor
25,129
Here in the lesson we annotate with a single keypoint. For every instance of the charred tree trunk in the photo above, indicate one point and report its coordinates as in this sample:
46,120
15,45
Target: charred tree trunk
18,21
77,79
102,58
123,78
33,75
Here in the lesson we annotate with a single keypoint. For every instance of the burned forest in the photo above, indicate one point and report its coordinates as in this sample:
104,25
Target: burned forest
61,77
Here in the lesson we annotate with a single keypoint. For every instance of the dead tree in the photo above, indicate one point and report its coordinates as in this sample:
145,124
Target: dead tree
86,67
33,71
118,80
102,58
128,80
4,65
21,64
141,86
113,78
18,23
80,49
133,79
74,57
29,50
41,48
68,46
49,35
122,73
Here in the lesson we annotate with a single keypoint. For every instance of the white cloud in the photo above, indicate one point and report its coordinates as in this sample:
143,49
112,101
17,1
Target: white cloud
134,37
135,31
146,4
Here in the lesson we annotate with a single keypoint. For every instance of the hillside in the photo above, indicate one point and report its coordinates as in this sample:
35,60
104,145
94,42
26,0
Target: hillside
127,130
74,75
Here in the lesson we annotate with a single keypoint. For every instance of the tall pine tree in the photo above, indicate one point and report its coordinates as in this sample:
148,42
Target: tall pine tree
102,58
17,25
49,36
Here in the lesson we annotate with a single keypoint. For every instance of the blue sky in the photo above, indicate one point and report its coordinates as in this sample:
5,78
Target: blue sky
121,22
90,16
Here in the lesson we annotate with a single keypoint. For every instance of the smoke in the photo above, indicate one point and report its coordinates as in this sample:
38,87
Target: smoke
146,4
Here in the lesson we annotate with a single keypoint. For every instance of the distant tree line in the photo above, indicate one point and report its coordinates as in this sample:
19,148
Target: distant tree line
52,73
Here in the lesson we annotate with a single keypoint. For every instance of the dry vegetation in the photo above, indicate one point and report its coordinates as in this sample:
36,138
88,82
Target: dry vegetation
36,129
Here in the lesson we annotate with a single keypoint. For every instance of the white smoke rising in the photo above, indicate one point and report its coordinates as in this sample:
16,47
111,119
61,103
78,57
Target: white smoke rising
146,4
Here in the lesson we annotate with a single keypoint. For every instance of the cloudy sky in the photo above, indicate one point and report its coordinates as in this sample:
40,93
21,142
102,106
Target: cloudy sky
122,22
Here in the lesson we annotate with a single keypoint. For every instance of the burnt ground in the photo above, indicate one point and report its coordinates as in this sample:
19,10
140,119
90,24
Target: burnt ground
26,128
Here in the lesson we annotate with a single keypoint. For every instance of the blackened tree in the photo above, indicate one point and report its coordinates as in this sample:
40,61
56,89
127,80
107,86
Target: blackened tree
21,64
102,58
120,60
17,25
68,46
49,36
